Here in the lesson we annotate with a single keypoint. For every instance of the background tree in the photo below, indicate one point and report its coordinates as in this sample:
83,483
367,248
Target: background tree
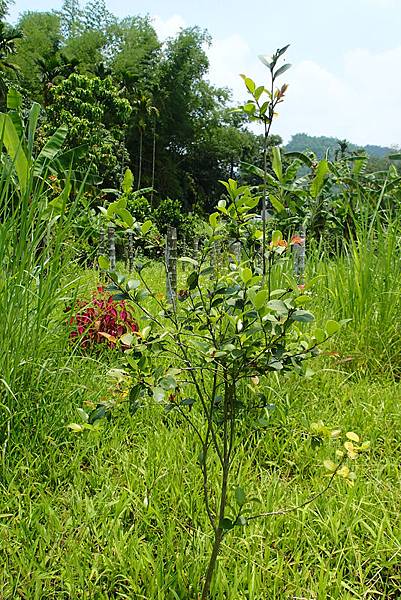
71,18
40,42
145,113
8,68
96,113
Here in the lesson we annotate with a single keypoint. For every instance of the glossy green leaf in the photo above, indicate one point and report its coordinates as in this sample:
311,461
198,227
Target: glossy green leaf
303,316
276,163
240,496
146,226
13,145
260,299
332,327
50,149
319,179
192,280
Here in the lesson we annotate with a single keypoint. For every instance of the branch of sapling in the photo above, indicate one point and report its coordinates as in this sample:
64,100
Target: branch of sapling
285,511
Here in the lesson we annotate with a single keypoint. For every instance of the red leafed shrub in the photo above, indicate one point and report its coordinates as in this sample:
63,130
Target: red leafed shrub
99,321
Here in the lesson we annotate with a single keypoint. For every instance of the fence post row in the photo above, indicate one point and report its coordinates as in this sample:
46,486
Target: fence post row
171,264
112,247
130,236
102,242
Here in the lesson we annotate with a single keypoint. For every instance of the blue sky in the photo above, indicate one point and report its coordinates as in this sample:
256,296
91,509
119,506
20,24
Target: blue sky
346,56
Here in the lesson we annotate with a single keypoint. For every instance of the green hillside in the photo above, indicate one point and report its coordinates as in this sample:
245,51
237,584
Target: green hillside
320,144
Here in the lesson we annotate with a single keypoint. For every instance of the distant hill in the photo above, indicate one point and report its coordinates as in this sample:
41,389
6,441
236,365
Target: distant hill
320,144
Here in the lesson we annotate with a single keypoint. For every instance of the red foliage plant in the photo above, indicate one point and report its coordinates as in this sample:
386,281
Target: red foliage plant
99,321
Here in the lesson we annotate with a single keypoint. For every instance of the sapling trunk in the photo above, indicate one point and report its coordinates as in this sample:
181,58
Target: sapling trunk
226,454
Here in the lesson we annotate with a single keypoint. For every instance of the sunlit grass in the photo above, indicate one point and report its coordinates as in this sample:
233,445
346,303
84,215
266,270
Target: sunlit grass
118,513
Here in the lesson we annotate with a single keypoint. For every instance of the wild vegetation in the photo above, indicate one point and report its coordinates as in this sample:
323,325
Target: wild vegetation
233,434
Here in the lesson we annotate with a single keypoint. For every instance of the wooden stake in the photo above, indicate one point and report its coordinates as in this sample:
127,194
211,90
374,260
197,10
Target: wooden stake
112,247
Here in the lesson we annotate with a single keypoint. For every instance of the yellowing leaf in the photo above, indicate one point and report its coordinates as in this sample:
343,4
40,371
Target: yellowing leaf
108,337
351,451
344,472
75,427
330,465
352,436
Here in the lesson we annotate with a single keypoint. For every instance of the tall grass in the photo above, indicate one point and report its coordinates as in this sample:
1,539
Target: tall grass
37,279
362,283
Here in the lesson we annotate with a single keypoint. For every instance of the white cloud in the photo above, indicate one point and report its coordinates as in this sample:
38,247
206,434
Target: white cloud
361,103
169,27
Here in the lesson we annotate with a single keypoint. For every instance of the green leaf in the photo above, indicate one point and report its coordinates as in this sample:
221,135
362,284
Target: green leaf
250,84
354,437
303,316
126,339
265,60
188,259
213,219
188,402
258,92
300,156
103,263
99,413
319,179
32,124
277,306
133,284
76,427
50,149
246,275
226,524
319,335
332,327
260,299
146,226
14,99
128,181
276,204
13,145
282,70
168,383
249,108
282,50
158,394
125,216
276,163
192,280
240,496
277,236
83,414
